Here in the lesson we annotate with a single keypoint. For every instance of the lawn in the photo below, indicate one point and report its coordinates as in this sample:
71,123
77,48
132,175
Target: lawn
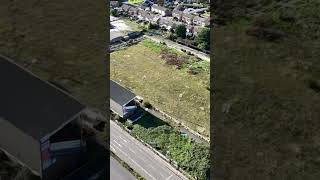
179,94
135,1
150,121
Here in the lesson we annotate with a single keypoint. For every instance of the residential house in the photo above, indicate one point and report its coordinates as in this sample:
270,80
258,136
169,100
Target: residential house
122,100
133,12
160,10
168,23
200,21
142,14
144,7
125,8
176,14
40,124
187,18
114,4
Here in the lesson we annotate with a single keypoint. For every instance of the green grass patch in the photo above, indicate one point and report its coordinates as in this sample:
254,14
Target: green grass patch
135,1
150,121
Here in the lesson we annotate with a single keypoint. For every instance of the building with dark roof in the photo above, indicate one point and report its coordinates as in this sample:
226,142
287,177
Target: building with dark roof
39,123
122,100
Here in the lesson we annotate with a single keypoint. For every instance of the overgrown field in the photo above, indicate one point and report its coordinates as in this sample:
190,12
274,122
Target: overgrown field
267,90
166,84
190,156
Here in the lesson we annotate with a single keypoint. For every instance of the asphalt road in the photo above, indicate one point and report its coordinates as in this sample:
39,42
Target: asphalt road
118,172
139,157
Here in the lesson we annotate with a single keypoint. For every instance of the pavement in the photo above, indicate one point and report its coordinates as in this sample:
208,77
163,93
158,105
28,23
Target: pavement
139,157
118,172
178,47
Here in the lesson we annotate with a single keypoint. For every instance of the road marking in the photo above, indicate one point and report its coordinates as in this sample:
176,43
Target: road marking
112,148
117,143
132,151
152,167
169,177
123,139
137,164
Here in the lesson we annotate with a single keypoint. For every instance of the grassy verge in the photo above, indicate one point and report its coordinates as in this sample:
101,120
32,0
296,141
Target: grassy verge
174,91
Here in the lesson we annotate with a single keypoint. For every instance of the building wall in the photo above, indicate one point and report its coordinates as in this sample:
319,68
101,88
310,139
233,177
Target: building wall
65,163
22,147
116,108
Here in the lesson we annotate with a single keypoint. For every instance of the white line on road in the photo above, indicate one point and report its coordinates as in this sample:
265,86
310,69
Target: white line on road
112,148
123,139
136,164
169,177
117,143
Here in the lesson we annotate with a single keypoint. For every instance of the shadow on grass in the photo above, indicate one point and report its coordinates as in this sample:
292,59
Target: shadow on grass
150,121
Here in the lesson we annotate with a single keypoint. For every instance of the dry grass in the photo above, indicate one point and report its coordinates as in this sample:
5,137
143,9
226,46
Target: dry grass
173,91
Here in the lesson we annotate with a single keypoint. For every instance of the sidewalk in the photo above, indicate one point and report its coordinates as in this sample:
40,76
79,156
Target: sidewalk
178,47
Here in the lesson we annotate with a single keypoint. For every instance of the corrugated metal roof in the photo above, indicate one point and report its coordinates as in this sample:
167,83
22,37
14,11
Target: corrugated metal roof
120,94
34,106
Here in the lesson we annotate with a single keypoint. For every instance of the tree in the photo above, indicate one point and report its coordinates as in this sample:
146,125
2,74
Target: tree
171,36
114,12
160,2
203,38
181,31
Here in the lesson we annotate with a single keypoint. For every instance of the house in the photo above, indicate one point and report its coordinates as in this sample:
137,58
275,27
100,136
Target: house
200,21
144,7
160,10
168,23
187,18
151,18
133,11
114,4
125,8
42,122
142,14
176,14
122,100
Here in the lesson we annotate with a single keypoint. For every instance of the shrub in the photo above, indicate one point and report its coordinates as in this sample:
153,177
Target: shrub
193,70
114,13
189,155
203,38
171,36
147,104
181,31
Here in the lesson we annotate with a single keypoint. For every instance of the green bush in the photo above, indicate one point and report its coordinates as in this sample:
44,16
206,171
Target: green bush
190,156
147,105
